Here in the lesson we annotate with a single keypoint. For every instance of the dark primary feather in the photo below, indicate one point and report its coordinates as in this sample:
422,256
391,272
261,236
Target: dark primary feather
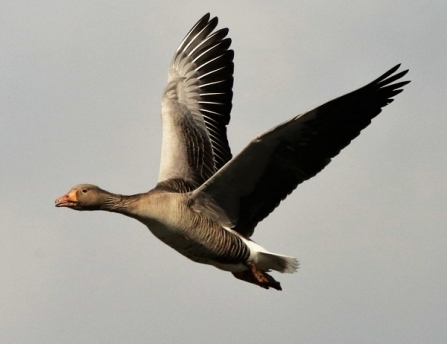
206,63
325,131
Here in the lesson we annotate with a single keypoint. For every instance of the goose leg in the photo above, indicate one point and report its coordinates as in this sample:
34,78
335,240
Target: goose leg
258,277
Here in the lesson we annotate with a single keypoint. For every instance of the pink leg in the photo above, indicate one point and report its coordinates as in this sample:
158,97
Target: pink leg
258,277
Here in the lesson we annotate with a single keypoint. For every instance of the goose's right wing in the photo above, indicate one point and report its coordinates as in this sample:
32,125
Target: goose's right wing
196,108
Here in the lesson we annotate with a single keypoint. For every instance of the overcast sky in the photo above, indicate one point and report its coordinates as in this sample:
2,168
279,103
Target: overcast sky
80,88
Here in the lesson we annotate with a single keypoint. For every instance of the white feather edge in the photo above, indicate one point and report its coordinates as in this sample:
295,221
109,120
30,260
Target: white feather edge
266,260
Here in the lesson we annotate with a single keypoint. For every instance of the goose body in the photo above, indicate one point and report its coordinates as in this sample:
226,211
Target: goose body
207,203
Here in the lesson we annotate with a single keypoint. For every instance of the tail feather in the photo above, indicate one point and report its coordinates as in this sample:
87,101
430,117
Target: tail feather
270,261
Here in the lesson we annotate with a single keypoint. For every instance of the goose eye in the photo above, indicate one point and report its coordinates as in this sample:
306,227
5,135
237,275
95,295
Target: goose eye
84,190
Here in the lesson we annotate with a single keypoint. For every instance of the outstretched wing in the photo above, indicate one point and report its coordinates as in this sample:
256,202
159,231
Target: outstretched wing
253,183
196,107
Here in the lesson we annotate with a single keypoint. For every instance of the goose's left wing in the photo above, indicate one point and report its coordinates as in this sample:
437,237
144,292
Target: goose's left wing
254,182
196,108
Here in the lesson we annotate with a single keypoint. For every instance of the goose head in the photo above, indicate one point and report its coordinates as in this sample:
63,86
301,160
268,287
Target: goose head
83,197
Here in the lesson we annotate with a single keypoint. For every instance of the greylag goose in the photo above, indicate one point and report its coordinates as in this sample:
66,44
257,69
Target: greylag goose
207,203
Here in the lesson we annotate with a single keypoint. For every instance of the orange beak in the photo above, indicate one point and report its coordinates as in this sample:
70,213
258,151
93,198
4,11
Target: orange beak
69,200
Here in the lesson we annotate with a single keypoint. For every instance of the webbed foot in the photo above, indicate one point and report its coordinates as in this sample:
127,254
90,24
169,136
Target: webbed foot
258,277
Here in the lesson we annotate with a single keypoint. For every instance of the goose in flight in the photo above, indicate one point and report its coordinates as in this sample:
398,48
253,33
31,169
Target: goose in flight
207,203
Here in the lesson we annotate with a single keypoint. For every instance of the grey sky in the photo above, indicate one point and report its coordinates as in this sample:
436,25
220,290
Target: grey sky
80,92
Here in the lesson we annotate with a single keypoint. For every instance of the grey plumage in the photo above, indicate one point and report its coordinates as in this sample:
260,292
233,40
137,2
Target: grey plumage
207,204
